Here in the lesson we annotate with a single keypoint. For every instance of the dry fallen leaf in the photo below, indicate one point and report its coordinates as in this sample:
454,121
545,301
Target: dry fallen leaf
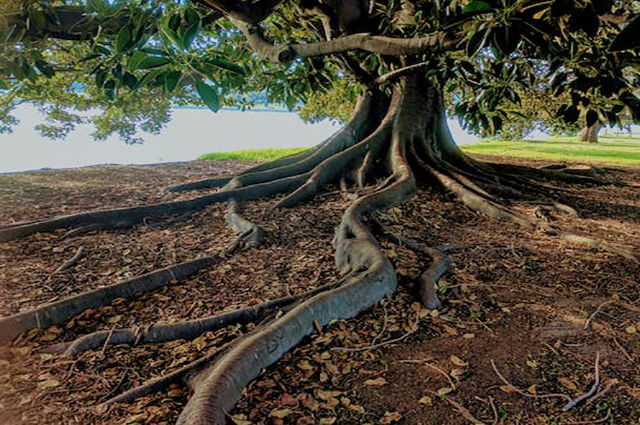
48,384
240,419
356,408
444,391
448,329
425,400
390,417
532,390
507,389
378,382
458,361
280,413
566,382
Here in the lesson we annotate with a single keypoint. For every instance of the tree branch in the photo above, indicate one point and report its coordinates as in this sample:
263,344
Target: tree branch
371,43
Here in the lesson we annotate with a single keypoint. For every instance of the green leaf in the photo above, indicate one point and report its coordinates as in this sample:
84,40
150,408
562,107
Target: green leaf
135,60
208,96
156,52
153,62
130,80
226,65
149,77
89,57
171,80
477,7
477,42
110,89
45,68
628,38
123,39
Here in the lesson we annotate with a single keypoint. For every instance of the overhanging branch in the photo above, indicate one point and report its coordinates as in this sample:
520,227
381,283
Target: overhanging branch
388,46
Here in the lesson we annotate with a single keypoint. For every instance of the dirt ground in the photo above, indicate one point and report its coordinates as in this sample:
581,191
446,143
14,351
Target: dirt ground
510,345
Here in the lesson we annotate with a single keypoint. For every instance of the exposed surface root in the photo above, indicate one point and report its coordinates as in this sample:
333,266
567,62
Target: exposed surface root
161,383
184,330
250,236
202,184
127,217
62,310
428,280
600,245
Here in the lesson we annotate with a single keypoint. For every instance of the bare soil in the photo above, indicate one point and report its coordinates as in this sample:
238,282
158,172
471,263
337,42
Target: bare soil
516,298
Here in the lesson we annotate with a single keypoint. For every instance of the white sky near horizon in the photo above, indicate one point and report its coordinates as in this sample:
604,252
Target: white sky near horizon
191,133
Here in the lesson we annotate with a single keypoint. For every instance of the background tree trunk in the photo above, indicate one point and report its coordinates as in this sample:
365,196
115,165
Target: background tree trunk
590,134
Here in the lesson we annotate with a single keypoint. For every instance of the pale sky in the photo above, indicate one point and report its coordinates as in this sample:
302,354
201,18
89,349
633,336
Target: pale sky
191,133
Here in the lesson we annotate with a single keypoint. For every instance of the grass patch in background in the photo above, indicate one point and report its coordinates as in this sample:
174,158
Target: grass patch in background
608,150
252,154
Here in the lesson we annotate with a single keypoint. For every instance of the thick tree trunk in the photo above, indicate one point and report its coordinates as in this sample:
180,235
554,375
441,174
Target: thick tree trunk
590,134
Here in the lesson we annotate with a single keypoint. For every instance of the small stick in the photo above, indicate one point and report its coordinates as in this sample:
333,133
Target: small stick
606,389
519,391
591,392
384,326
591,422
463,410
104,347
71,262
586,324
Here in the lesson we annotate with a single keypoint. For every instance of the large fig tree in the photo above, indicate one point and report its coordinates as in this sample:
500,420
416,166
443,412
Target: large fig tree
404,63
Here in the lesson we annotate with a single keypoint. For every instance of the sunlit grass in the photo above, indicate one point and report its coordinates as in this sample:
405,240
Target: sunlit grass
625,151
252,154
610,150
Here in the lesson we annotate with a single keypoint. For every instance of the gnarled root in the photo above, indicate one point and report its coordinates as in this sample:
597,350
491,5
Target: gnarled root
250,236
428,280
63,310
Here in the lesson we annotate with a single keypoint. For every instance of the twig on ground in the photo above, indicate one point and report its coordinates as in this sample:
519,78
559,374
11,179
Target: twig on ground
591,392
626,354
104,347
460,408
414,328
384,326
437,369
118,385
586,324
519,391
591,422
71,262
607,388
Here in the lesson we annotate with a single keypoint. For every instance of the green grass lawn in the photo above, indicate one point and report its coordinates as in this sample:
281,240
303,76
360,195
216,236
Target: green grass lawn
621,151
252,154
610,150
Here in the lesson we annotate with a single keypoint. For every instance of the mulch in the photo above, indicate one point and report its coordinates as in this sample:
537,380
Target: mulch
514,298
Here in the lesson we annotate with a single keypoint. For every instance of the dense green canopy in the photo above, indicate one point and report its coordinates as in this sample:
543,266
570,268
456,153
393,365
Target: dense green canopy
134,59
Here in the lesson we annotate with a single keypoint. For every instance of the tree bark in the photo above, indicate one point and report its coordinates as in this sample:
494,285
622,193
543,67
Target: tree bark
590,134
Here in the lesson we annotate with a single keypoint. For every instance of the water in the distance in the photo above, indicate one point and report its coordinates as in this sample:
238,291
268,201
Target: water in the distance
191,133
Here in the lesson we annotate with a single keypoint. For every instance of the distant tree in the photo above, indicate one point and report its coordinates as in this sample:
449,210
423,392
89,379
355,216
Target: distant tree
405,60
